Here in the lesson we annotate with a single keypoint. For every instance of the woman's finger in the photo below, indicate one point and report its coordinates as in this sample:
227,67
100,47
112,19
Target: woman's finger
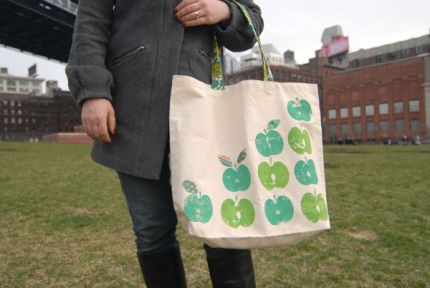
184,3
187,10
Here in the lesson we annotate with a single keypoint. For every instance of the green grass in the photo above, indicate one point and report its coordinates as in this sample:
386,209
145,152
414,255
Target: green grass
64,223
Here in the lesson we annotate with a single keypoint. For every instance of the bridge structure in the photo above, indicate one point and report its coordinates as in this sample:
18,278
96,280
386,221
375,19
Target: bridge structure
41,27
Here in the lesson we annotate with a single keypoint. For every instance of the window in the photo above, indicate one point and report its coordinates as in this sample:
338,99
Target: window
5,120
370,110
343,112
379,58
370,128
414,106
12,103
419,50
383,108
12,120
344,128
415,125
355,63
11,82
19,120
399,125
404,53
385,127
332,130
398,107
357,129
332,114
23,82
391,56
356,111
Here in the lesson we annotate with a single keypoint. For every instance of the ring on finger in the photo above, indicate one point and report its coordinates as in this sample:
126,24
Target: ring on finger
196,14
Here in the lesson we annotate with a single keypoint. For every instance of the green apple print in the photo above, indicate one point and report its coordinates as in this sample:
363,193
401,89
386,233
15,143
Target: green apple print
236,177
278,210
305,172
300,110
237,214
299,141
314,207
270,142
272,176
197,208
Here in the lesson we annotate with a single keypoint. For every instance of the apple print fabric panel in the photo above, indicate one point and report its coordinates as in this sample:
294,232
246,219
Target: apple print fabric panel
247,162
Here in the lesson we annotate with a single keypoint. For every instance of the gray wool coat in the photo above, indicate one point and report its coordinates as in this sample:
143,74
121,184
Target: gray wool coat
127,51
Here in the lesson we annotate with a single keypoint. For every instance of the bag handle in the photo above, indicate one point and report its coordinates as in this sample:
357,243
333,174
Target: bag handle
218,77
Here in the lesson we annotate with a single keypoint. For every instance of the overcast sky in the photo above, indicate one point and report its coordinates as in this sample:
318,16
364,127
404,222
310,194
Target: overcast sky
294,25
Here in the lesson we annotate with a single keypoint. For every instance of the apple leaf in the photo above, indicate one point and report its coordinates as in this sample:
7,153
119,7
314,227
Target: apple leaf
190,186
242,156
225,161
273,124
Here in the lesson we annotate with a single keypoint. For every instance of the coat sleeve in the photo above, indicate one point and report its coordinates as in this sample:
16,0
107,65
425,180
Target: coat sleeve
86,72
237,35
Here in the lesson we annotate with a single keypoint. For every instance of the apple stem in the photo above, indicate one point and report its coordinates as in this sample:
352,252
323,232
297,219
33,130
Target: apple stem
274,197
270,159
265,131
235,198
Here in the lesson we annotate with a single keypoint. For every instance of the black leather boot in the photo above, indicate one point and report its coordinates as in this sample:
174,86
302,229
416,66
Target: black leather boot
163,269
231,268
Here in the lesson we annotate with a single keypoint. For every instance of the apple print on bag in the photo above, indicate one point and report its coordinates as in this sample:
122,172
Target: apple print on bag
270,142
300,141
300,110
314,207
236,177
279,210
272,176
197,208
236,213
305,172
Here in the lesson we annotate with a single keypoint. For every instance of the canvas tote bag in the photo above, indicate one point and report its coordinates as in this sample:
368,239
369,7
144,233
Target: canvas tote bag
247,166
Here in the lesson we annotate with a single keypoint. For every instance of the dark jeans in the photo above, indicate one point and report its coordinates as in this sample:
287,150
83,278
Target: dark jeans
151,209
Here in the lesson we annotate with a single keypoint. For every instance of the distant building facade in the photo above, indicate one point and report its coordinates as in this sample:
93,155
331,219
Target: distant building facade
26,117
383,95
11,84
374,95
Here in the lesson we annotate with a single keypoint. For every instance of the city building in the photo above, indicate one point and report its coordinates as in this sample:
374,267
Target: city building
26,117
11,84
383,95
376,95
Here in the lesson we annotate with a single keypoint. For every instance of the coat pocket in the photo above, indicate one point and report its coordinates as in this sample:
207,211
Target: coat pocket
116,60
205,54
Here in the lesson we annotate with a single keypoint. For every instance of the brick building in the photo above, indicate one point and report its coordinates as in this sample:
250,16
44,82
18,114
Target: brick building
383,94
369,96
26,117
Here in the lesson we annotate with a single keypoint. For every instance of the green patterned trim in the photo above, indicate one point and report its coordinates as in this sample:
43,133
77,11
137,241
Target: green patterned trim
218,81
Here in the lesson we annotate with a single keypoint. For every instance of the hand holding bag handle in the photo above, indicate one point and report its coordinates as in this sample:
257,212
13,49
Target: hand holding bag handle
218,78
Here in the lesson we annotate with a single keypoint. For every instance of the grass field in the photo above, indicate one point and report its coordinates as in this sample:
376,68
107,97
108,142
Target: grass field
64,223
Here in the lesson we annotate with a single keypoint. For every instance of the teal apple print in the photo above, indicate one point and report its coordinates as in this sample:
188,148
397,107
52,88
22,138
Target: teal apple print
299,141
236,177
197,208
270,142
305,172
279,210
314,207
272,176
237,214
300,110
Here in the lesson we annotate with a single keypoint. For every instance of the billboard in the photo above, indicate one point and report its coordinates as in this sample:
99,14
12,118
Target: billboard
337,46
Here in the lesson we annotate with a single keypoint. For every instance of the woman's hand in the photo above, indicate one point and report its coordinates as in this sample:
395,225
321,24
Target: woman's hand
202,12
97,117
